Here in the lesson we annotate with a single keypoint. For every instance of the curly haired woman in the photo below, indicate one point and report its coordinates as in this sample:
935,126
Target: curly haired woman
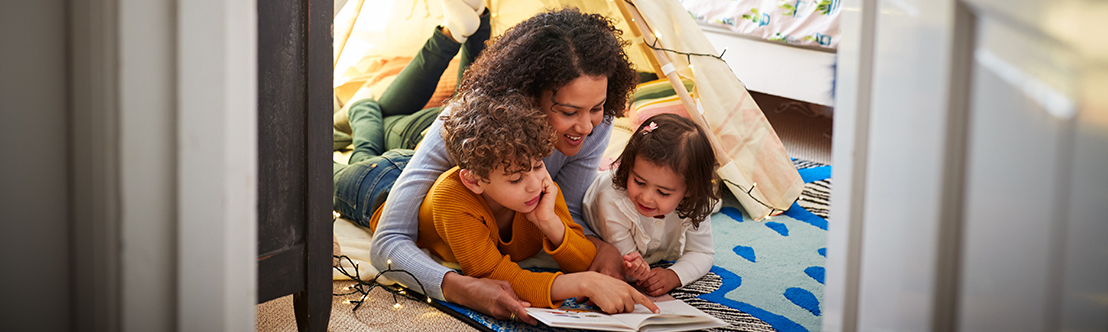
570,62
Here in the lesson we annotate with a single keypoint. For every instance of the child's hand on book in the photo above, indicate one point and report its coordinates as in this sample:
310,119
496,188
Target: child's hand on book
635,267
659,281
611,295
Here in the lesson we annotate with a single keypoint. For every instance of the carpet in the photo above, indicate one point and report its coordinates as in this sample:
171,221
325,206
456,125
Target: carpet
768,275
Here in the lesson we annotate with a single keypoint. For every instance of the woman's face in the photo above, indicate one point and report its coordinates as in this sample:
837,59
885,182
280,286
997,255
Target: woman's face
574,110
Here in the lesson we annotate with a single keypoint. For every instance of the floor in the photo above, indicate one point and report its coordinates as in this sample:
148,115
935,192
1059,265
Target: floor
804,129
277,315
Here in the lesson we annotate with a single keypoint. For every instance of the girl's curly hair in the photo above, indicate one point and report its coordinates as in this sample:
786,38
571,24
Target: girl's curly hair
482,133
680,145
548,51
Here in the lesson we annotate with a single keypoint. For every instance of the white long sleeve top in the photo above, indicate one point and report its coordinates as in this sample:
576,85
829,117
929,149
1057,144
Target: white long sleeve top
612,215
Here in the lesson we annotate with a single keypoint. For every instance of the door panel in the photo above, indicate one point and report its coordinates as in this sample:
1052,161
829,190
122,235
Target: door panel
985,199
1016,153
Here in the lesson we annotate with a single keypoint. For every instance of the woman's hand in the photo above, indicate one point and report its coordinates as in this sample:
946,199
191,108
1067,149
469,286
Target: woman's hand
659,281
610,294
489,296
607,261
635,267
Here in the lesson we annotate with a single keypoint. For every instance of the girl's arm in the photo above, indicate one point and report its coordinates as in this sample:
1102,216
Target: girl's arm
603,213
699,255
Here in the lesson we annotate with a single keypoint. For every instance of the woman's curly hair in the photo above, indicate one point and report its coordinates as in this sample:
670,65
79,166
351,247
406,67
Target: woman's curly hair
680,145
482,133
548,51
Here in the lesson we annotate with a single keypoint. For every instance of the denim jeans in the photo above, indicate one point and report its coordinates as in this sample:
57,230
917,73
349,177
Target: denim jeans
385,131
359,186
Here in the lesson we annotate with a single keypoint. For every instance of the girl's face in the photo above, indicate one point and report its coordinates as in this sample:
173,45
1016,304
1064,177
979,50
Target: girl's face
655,190
575,110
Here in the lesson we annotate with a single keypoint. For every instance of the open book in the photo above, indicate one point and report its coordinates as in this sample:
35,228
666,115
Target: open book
675,316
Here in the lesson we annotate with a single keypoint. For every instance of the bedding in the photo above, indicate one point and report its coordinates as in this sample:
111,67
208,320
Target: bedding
796,22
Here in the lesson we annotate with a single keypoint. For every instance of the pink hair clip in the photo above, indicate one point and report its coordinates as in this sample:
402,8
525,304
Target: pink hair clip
649,128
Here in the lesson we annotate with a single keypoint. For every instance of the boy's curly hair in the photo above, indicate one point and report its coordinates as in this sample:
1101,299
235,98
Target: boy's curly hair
679,144
483,133
550,50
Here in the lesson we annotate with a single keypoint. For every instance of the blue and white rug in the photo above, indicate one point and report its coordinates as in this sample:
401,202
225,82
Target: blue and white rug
768,275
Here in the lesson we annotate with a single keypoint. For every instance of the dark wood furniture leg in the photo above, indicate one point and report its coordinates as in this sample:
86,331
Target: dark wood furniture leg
294,150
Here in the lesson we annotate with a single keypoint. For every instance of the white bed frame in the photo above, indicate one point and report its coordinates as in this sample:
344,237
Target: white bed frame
801,73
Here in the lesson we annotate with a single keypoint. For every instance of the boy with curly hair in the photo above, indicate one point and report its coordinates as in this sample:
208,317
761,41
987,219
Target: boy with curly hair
499,206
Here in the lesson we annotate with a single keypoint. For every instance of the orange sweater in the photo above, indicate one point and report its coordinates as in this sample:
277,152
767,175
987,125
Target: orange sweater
458,226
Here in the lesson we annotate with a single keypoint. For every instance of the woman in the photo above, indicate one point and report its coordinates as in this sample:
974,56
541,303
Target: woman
574,66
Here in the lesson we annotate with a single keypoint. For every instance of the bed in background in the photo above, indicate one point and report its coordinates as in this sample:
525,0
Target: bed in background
779,47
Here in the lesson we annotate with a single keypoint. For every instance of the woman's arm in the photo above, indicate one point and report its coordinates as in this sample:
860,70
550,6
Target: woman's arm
396,233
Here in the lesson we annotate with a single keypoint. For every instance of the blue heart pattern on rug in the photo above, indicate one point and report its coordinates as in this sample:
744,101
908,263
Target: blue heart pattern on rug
776,265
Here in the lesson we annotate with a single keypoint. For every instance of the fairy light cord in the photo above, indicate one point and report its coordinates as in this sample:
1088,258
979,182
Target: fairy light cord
688,55
364,287
750,192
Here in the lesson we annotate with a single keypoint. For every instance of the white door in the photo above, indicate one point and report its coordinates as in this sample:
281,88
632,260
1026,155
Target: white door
978,185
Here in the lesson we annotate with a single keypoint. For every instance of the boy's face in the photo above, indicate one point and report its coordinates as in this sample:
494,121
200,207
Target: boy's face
655,190
516,191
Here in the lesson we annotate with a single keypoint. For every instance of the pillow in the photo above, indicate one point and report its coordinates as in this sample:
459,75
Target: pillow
656,97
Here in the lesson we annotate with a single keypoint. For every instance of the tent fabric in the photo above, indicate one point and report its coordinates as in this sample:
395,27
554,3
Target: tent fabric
760,174
758,157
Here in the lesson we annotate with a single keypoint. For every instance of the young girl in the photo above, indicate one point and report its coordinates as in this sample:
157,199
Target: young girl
654,207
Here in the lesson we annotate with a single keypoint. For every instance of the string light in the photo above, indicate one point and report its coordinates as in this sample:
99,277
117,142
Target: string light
364,287
749,192
654,46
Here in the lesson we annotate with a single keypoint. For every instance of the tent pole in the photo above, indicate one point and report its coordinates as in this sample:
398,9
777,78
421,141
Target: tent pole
665,68
637,36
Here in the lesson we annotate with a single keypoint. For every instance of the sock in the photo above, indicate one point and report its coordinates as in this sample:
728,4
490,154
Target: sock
460,18
477,5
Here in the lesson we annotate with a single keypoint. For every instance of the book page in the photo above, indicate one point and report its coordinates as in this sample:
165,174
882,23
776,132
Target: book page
675,315
673,312
576,318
